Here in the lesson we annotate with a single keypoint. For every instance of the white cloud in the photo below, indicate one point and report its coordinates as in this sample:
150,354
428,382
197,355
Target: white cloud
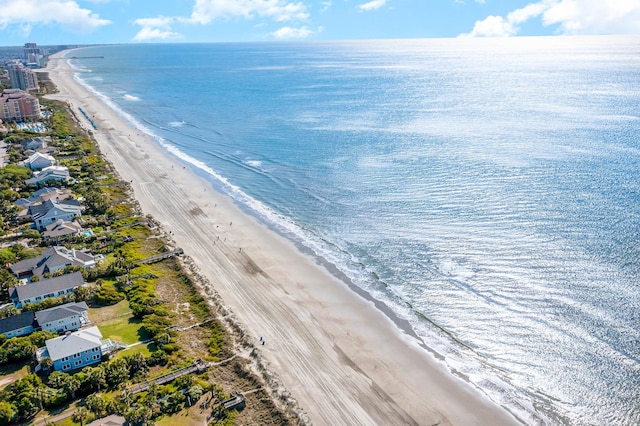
155,29
595,16
67,13
498,26
205,11
372,5
290,32
326,5
572,17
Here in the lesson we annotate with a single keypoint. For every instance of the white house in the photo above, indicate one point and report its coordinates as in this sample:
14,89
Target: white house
51,173
63,318
74,350
52,211
39,161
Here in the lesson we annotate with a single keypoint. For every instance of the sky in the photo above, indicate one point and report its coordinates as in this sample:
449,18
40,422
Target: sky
52,22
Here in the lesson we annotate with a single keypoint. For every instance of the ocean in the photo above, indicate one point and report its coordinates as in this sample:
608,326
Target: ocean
487,191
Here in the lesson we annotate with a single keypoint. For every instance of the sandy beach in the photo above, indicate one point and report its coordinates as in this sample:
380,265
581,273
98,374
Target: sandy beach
340,357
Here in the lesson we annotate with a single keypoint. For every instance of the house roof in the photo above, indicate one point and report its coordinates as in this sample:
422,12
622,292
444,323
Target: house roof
74,343
16,322
39,156
48,194
60,312
52,285
49,173
51,258
38,141
57,208
112,420
61,228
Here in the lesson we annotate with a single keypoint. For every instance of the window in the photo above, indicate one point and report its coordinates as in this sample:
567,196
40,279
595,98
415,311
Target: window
76,355
77,362
66,367
96,357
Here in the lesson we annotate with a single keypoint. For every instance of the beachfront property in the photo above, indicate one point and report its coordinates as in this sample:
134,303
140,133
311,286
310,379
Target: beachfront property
49,212
60,319
74,350
36,143
39,161
51,260
61,230
49,174
45,289
21,77
18,105
45,194
18,325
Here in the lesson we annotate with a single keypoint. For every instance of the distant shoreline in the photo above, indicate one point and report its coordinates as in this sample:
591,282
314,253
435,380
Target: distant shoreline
341,358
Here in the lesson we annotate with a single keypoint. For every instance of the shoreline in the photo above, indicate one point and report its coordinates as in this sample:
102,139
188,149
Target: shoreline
335,351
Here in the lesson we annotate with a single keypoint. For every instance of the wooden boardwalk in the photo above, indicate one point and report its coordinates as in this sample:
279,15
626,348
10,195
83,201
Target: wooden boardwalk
197,366
162,256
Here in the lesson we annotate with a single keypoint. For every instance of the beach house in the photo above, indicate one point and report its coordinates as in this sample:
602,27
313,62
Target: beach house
45,194
38,291
73,350
61,230
63,318
51,260
49,174
36,143
49,212
39,161
17,325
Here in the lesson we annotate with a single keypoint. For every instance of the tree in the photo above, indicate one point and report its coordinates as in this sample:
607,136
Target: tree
139,415
58,380
137,364
81,293
96,404
80,415
194,393
7,412
96,377
46,363
117,372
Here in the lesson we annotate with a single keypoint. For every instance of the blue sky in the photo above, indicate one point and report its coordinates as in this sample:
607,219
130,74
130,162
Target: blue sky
126,21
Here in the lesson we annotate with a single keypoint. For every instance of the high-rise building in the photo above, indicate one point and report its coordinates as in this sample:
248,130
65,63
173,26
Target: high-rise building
22,78
32,55
18,105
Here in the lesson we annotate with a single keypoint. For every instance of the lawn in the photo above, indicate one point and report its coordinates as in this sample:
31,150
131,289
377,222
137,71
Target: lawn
106,313
144,348
124,328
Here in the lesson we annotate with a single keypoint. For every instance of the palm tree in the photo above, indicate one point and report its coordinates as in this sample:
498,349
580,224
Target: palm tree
80,415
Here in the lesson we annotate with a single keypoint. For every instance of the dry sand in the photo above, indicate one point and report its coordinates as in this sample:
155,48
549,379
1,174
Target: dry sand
341,358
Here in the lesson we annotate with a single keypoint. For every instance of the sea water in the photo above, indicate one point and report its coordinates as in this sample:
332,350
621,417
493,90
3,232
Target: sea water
486,190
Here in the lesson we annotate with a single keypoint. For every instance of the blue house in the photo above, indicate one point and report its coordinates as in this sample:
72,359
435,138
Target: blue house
74,350
17,325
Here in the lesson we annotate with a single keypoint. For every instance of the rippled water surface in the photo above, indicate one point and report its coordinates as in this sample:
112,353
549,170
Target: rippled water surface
487,190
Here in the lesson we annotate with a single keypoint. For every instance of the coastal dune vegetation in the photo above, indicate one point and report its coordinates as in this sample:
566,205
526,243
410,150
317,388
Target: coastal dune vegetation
154,309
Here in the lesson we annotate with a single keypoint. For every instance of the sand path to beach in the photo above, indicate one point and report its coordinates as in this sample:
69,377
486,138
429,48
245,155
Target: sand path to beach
344,361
